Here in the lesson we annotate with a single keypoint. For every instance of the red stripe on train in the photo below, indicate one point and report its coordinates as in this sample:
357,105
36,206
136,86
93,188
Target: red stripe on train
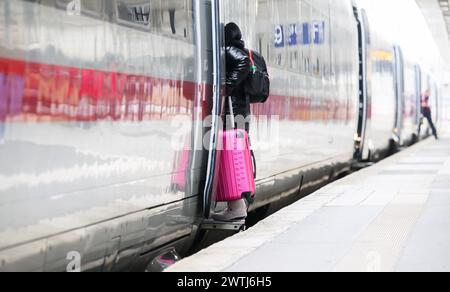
34,92
42,92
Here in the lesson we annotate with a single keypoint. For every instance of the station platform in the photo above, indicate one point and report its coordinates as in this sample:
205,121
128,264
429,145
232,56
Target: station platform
393,216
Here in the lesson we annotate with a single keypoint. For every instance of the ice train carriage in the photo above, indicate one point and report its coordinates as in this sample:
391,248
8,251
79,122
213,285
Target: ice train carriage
101,119
411,82
428,82
408,99
378,100
392,83
313,64
95,99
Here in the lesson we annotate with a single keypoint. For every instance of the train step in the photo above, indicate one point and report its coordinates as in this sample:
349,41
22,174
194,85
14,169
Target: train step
361,165
224,226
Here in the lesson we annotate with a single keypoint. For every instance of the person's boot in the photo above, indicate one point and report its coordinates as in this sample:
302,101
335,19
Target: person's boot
237,210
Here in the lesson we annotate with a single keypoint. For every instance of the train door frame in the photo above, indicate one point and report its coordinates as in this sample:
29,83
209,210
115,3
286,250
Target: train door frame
217,71
418,72
362,149
435,89
400,95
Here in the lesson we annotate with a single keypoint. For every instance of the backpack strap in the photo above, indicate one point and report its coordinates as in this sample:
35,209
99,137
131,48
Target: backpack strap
250,54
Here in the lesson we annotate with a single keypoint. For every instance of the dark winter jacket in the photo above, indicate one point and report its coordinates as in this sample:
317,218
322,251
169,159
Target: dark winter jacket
238,68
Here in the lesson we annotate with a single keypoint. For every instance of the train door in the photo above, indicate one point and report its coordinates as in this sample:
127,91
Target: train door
418,73
362,145
400,96
215,21
217,71
435,101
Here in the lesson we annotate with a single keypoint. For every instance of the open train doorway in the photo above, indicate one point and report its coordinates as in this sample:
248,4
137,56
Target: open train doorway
362,146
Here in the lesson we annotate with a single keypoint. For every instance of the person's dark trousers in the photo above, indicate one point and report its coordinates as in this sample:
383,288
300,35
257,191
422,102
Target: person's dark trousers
427,115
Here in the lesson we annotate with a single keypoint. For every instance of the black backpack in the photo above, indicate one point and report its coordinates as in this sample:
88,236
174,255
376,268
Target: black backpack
258,83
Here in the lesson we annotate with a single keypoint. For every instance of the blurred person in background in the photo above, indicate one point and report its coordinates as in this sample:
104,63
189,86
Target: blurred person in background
426,113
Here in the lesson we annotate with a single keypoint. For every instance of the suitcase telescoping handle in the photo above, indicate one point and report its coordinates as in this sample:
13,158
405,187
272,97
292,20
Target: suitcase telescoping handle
230,105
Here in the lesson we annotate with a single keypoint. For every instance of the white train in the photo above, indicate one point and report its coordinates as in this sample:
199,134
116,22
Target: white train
103,107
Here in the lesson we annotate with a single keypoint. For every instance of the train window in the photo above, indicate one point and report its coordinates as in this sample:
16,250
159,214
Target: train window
263,44
176,18
93,8
326,50
306,13
264,29
171,17
279,46
317,41
279,30
333,33
326,47
293,38
139,14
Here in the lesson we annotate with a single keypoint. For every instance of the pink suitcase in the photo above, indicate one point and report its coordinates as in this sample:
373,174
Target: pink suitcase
236,176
